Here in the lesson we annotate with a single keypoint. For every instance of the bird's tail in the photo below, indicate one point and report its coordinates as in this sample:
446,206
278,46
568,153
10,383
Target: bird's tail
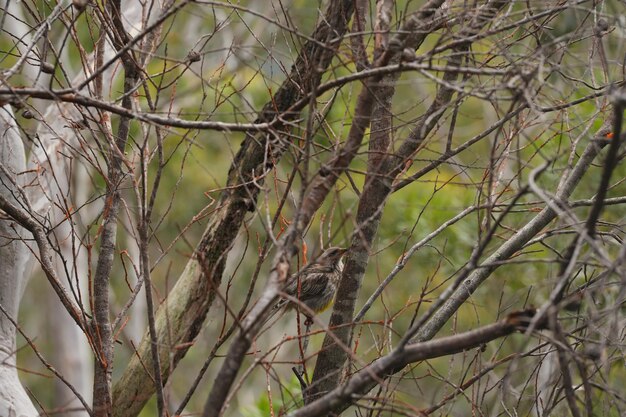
277,308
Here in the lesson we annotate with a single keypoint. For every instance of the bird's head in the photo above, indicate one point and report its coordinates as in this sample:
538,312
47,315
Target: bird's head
332,257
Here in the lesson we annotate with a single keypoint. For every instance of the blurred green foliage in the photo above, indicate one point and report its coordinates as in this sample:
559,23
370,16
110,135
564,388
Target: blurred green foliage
238,77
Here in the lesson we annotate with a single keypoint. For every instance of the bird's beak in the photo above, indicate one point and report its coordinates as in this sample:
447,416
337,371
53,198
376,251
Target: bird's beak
343,250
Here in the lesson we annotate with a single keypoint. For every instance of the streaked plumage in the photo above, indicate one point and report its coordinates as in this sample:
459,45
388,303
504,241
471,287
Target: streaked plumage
318,282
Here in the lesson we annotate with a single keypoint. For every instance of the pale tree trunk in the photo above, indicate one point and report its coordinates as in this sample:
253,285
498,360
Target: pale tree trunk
48,180
14,270
71,352
57,185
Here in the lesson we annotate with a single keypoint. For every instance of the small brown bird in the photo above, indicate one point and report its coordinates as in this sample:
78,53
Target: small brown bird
315,285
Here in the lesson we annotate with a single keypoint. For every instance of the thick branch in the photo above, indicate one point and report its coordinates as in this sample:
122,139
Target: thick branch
378,186
103,334
192,296
309,205
367,378
45,257
513,244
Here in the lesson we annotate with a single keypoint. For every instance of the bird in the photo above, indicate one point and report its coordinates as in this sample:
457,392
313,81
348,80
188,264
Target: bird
315,285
